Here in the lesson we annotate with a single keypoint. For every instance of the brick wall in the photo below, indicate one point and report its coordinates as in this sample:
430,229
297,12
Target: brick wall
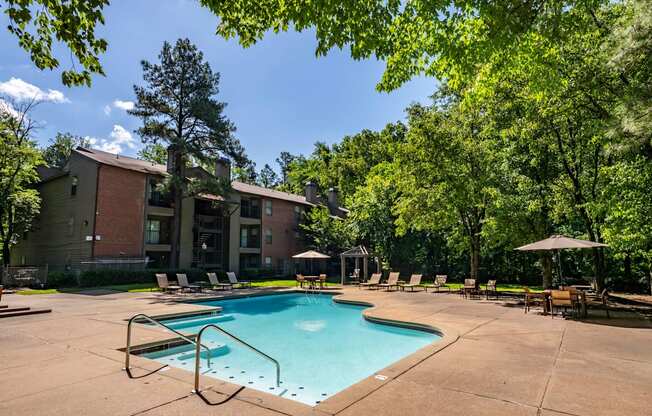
282,223
120,212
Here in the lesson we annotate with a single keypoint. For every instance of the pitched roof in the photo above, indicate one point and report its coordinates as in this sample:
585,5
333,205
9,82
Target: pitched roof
121,161
246,188
144,166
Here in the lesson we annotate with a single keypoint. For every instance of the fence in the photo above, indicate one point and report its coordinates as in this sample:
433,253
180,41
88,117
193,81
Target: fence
25,276
117,263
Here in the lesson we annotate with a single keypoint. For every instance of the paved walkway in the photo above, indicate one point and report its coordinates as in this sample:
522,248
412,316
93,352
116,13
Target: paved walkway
495,361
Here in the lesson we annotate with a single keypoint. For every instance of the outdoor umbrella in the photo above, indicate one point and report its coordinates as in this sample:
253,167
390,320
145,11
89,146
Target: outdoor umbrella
311,255
557,243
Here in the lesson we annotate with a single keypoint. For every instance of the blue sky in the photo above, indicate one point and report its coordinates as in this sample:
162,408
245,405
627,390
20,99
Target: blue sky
279,95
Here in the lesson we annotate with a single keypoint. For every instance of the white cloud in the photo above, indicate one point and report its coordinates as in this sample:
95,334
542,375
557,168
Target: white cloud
20,90
7,108
118,140
107,110
123,105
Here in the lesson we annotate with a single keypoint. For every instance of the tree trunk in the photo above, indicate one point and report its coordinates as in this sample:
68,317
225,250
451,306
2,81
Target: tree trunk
6,254
177,195
546,265
475,256
598,262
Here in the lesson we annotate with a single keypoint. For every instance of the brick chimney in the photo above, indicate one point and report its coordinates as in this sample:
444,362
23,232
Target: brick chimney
311,192
223,168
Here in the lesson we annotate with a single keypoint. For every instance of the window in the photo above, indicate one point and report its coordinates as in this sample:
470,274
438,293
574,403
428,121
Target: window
268,207
268,236
268,261
153,232
250,236
73,186
250,207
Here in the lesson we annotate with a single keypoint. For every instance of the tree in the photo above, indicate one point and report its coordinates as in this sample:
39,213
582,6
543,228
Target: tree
37,23
448,176
442,39
245,172
284,161
154,152
325,233
179,110
57,153
267,177
19,158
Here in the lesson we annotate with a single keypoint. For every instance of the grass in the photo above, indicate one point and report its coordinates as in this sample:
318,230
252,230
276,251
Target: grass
148,287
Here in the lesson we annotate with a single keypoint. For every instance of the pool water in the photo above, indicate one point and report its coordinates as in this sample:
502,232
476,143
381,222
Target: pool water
322,346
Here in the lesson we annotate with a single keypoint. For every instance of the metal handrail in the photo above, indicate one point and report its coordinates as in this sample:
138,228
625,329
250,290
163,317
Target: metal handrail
155,322
233,337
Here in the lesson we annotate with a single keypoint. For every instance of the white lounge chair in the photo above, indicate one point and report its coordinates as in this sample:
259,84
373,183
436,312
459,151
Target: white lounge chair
234,280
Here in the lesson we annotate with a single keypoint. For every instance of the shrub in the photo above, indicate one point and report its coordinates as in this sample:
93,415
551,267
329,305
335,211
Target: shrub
61,279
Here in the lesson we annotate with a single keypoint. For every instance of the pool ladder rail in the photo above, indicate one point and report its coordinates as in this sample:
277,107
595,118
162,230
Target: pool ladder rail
142,316
198,346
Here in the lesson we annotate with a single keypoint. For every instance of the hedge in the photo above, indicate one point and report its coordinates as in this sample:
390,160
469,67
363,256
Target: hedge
108,277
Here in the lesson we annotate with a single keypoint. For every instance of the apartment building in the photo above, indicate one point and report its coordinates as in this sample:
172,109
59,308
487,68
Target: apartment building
105,210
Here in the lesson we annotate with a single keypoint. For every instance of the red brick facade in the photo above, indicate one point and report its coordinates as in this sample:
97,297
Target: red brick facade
120,208
283,224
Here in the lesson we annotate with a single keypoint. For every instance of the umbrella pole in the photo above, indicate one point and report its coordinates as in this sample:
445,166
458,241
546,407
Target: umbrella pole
561,272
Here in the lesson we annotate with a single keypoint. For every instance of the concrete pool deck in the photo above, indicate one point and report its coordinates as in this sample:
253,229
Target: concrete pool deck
494,360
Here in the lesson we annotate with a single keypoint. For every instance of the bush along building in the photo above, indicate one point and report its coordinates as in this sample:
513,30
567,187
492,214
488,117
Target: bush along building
104,210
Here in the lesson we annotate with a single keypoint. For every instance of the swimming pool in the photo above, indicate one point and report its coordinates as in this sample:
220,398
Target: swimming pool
322,346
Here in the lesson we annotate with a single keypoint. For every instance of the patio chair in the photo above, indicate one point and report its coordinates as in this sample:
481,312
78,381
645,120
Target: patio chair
470,288
415,281
373,281
183,282
438,284
600,302
234,280
561,299
392,281
216,284
321,281
301,280
532,298
490,288
164,284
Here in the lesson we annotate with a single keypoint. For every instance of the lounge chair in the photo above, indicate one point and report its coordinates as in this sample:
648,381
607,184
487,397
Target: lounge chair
373,281
183,282
164,284
234,280
438,284
470,288
415,281
216,284
392,281
532,298
490,288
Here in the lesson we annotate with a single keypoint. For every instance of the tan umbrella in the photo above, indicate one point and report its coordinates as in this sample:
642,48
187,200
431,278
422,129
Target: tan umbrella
557,243
311,254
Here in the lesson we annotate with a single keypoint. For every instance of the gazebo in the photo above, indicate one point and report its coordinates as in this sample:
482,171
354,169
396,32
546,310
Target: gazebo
356,253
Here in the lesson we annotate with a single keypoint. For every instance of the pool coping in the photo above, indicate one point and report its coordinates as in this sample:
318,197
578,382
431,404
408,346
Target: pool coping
340,400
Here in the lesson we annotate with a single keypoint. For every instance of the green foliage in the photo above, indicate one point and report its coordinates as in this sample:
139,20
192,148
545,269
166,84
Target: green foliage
326,233
19,158
267,178
154,152
57,153
37,23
